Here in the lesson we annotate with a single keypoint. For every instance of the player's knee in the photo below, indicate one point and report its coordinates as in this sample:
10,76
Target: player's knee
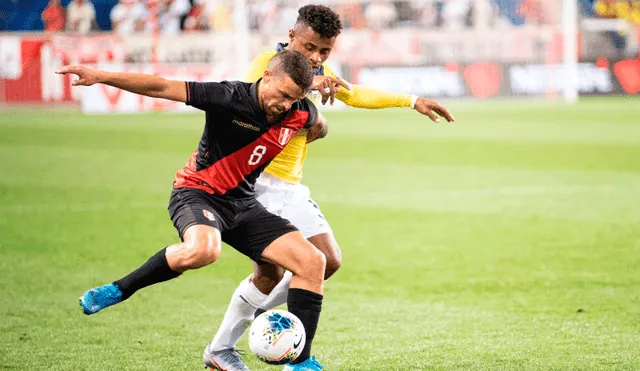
327,244
202,252
201,247
314,264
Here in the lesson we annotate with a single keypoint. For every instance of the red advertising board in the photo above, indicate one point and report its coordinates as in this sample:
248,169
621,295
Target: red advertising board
28,64
493,79
40,55
25,85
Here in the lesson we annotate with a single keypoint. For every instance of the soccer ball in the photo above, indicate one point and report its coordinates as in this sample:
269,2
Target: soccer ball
277,337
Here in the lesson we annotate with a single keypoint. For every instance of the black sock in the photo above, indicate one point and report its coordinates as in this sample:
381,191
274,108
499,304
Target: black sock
306,305
155,270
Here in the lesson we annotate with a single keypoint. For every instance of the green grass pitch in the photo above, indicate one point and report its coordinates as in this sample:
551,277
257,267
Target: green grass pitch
509,240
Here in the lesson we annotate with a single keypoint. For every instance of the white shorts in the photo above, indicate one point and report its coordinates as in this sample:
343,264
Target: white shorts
292,202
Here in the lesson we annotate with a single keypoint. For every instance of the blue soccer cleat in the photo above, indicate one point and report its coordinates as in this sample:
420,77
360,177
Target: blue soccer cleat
98,298
310,364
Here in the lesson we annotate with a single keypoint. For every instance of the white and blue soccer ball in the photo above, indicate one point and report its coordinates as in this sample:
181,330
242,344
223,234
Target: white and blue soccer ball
277,337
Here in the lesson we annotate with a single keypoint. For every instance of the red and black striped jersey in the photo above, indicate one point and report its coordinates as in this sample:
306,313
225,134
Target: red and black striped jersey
237,142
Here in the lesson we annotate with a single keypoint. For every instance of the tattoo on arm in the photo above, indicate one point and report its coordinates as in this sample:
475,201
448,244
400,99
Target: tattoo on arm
317,132
324,131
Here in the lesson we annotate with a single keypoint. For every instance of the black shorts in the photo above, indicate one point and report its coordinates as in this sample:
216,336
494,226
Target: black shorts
243,224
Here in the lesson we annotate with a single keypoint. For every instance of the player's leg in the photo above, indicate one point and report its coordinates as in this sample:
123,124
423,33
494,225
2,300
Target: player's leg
266,276
248,299
314,226
258,229
263,232
307,264
327,244
221,354
292,202
305,214
198,225
200,247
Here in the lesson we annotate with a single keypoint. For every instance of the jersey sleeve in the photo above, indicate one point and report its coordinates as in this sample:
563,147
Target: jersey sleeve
209,96
364,97
258,65
313,113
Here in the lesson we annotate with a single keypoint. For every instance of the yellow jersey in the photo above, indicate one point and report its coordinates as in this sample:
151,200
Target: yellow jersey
288,164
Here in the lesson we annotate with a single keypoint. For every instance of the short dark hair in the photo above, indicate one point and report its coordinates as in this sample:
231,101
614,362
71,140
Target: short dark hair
295,65
322,20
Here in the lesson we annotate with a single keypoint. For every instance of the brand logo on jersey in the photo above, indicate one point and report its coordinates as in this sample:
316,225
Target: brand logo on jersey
209,215
245,125
243,299
285,135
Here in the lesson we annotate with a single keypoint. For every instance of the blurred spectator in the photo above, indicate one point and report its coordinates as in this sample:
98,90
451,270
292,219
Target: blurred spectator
266,15
380,14
613,9
288,15
53,16
128,17
407,15
586,7
171,12
537,11
426,14
351,15
219,15
456,14
196,19
438,6
81,16
509,10
635,12
607,8
623,9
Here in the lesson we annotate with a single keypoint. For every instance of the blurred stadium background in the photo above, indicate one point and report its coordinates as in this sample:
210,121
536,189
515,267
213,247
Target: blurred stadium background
508,240
442,49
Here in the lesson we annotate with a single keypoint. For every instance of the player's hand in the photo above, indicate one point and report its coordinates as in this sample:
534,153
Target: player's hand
86,76
428,107
328,86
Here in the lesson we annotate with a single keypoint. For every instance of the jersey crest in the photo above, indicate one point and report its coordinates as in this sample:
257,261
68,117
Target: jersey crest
285,136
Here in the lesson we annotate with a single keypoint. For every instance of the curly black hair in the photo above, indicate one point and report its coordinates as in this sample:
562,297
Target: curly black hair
324,21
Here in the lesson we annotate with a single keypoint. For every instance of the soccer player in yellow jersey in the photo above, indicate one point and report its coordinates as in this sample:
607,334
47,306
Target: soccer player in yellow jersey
278,188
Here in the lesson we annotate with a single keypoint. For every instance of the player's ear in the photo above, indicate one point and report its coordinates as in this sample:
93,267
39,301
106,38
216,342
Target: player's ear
292,34
266,75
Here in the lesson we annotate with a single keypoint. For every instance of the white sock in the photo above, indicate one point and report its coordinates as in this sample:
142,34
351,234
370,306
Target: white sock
279,294
244,302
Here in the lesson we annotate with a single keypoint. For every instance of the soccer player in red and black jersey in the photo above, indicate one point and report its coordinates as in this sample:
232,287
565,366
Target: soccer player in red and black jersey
213,199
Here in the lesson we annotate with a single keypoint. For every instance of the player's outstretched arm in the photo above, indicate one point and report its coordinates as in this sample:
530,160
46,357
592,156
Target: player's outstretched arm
364,97
149,85
430,108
